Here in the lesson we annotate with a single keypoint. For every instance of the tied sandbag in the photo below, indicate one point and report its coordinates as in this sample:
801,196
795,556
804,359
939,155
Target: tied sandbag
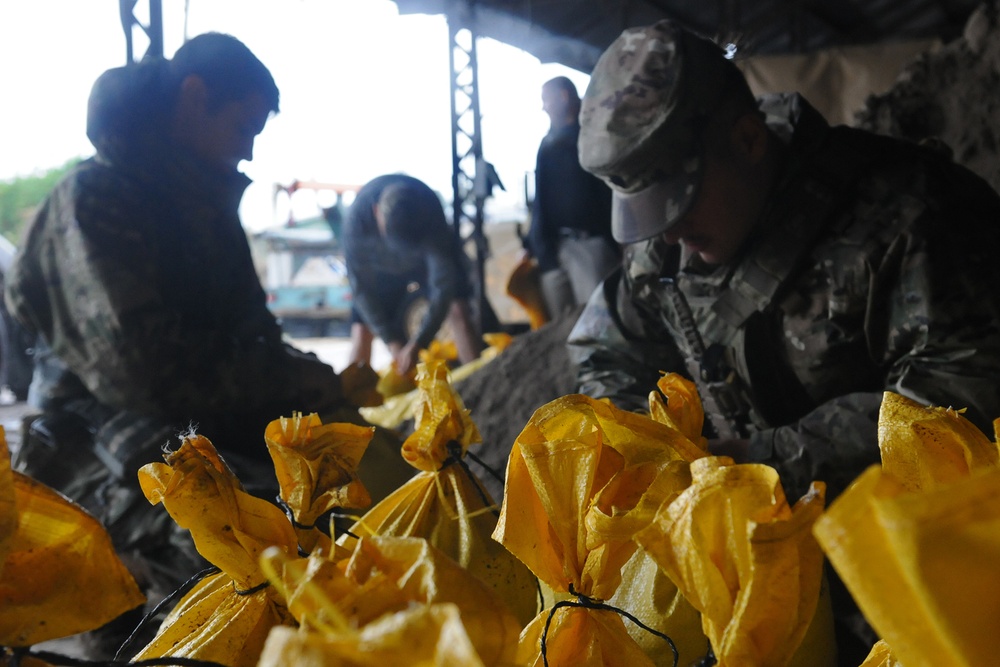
59,573
226,617
583,477
917,540
445,503
396,601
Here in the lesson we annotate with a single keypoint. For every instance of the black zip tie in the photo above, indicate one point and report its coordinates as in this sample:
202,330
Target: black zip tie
455,458
291,516
181,590
496,475
589,603
338,515
250,591
708,660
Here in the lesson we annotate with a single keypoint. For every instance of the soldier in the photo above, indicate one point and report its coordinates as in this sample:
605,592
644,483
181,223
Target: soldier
794,270
137,276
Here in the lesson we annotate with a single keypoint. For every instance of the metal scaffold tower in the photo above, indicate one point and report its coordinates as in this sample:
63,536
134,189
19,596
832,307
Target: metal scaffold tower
153,29
472,178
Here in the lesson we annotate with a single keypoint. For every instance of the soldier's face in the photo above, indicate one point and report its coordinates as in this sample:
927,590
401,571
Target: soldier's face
731,196
222,135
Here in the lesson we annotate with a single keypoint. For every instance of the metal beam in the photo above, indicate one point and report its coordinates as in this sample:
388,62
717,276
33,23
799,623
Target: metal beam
471,179
153,29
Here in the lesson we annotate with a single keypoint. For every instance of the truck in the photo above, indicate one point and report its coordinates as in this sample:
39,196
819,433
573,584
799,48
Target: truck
302,268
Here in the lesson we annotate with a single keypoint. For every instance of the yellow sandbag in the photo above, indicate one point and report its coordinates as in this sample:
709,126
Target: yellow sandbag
917,540
425,636
383,577
360,384
678,405
317,470
647,593
582,478
524,286
881,656
446,503
923,446
59,573
745,559
226,617
391,383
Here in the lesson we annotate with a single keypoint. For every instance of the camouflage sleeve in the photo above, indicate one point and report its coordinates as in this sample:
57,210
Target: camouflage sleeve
932,319
90,282
616,354
835,443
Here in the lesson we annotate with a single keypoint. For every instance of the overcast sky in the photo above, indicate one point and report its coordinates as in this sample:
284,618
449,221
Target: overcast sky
364,90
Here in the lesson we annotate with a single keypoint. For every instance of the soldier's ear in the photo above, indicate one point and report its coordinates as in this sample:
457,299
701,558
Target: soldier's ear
750,137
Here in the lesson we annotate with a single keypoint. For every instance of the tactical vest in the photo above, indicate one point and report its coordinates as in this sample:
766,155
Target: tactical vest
735,341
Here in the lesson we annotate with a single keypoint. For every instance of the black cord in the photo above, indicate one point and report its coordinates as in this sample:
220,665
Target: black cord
181,590
589,603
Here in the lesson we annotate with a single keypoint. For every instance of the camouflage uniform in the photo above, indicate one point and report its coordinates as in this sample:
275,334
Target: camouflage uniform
137,275
872,269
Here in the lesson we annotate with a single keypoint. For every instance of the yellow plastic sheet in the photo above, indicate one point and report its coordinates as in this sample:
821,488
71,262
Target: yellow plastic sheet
582,478
446,503
317,466
366,605
917,541
226,617
745,559
59,573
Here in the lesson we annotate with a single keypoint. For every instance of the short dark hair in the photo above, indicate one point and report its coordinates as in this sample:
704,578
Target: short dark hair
563,83
230,70
409,212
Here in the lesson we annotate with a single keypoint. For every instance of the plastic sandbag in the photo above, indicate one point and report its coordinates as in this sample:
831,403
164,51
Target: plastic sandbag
582,478
226,617
59,573
881,656
524,286
677,404
367,606
317,466
646,591
446,503
917,540
747,561
426,636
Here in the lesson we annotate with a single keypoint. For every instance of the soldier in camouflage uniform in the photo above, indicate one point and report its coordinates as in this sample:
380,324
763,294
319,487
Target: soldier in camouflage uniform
138,278
794,270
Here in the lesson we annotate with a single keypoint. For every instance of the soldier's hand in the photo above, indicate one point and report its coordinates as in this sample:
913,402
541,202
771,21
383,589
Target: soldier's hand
738,450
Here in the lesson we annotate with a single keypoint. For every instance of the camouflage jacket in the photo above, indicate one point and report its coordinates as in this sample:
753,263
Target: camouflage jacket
137,274
872,269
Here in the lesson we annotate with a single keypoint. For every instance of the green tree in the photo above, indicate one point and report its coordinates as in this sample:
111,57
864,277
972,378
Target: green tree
20,198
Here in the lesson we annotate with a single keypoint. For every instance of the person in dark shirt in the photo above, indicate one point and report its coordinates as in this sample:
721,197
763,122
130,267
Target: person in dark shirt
396,237
570,235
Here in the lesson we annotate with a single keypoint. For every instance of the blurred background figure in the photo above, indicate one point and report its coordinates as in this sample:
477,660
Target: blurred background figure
397,241
570,234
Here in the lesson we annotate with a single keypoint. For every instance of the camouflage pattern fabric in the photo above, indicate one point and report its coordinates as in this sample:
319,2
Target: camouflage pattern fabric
137,276
899,292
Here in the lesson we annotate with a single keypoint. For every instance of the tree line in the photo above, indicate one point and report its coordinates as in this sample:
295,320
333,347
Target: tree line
20,198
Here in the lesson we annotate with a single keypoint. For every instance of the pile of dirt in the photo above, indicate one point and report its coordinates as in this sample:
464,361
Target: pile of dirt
950,94
502,396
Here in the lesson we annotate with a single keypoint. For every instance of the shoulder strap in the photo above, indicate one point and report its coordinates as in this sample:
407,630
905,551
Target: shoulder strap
809,207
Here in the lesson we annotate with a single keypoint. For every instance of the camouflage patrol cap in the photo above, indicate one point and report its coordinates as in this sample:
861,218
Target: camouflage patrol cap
641,121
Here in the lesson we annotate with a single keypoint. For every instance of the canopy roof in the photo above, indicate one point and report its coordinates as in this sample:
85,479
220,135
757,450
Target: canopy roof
575,32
